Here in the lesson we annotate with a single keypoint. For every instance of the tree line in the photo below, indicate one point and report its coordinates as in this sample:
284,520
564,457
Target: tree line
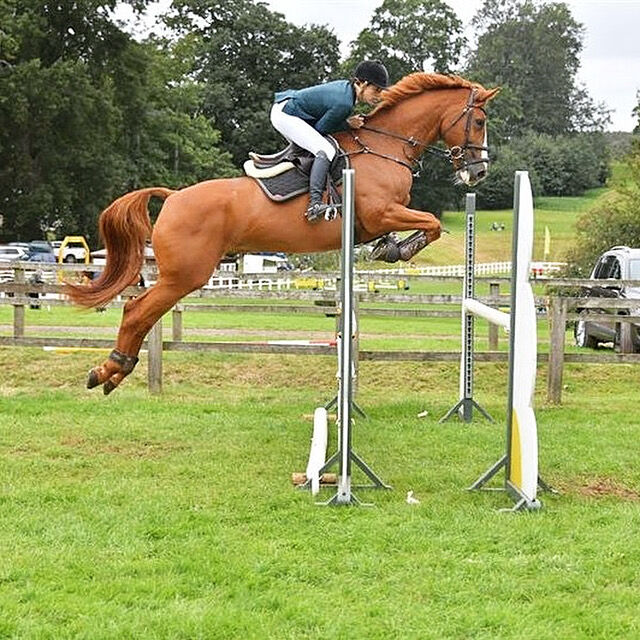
87,112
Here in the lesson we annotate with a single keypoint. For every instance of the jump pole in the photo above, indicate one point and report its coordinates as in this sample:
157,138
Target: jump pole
345,402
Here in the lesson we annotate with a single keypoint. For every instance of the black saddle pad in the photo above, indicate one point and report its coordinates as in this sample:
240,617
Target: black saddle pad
295,181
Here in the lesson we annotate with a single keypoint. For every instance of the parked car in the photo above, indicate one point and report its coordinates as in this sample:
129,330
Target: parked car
11,253
73,252
40,251
619,263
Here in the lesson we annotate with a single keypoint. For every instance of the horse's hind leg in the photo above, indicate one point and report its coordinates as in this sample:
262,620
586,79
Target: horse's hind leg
139,315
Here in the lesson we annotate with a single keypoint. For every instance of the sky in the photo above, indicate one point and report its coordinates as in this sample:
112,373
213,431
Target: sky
610,60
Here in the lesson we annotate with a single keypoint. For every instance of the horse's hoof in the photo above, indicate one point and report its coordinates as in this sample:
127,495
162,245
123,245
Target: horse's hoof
92,380
386,249
108,387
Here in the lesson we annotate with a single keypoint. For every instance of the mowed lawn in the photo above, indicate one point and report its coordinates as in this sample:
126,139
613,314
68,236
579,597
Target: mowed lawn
559,215
174,517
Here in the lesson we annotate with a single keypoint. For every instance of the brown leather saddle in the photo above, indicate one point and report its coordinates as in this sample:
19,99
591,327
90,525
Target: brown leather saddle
285,175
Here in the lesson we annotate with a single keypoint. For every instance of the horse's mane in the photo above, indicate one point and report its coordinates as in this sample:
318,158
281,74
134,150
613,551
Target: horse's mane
419,82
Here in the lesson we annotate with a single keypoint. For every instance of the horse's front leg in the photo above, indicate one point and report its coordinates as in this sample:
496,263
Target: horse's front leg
400,218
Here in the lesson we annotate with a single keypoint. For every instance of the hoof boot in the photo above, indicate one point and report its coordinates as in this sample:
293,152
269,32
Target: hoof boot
386,249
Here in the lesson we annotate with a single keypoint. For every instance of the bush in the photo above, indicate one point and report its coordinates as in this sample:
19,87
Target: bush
557,166
496,192
613,220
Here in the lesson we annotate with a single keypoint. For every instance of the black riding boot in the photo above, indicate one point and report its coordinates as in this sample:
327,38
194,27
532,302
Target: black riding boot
317,184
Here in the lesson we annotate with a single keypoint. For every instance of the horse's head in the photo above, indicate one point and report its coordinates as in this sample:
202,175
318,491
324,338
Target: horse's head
464,130
424,107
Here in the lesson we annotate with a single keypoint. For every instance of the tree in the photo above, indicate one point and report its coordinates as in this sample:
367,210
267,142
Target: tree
561,165
87,113
532,50
244,53
57,139
636,113
166,137
406,34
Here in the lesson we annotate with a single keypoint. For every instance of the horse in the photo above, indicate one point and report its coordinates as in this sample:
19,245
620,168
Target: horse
199,224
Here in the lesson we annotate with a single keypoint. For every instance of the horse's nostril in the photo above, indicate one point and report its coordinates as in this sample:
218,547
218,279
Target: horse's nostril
482,174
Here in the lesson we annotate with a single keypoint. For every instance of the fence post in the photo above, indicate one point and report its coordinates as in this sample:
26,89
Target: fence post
494,295
557,313
154,352
176,323
18,309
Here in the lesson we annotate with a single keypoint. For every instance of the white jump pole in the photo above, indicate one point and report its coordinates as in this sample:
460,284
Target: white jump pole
345,393
522,434
520,460
318,449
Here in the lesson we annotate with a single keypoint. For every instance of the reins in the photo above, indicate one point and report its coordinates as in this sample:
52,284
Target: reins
414,164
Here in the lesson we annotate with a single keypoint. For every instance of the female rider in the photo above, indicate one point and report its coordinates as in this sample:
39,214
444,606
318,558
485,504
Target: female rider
305,116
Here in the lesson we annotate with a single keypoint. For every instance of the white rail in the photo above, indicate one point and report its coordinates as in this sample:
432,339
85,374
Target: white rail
488,313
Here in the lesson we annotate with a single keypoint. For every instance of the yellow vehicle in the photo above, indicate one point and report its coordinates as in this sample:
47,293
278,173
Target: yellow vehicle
72,249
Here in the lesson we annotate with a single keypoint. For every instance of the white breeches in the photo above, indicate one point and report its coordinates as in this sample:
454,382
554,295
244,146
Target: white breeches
297,130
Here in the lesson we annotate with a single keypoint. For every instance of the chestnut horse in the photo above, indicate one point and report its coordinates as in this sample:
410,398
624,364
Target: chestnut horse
199,224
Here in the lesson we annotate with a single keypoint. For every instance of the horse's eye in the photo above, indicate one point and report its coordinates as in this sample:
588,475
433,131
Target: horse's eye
480,122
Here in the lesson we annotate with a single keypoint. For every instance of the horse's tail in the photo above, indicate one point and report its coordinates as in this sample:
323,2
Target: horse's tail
124,228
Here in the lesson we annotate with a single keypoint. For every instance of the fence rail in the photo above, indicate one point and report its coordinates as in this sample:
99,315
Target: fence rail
559,310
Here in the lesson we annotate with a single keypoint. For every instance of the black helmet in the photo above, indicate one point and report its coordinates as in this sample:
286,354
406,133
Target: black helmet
373,72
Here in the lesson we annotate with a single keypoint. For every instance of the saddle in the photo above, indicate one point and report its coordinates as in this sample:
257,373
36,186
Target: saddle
285,175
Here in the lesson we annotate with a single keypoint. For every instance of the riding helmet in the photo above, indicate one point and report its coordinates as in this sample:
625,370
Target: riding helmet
373,72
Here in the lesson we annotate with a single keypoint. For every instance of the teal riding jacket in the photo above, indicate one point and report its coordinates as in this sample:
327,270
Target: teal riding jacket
325,107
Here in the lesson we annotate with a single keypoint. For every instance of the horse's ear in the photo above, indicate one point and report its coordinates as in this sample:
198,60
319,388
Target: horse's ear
490,94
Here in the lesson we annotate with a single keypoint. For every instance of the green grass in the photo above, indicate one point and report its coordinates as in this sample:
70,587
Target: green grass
558,214
173,517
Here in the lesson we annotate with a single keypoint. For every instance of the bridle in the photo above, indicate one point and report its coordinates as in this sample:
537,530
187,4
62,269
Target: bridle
413,162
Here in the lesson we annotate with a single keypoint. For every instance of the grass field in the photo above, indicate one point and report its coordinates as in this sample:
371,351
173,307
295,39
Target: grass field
558,214
174,517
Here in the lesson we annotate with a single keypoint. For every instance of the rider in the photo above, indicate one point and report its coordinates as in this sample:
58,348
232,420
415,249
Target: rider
305,116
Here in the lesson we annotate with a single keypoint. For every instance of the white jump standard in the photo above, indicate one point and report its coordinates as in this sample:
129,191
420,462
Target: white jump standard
470,308
520,460
345,403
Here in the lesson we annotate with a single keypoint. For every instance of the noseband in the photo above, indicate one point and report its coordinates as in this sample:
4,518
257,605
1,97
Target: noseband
453,154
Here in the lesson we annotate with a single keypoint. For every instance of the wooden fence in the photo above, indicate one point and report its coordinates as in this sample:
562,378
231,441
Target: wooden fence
559,309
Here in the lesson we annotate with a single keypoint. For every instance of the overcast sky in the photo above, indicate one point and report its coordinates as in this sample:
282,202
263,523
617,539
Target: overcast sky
610,64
